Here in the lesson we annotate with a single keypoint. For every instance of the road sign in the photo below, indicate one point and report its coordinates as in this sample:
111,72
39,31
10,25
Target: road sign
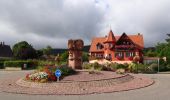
58,74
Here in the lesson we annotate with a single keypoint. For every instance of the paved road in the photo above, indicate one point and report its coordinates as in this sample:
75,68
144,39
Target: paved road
159,91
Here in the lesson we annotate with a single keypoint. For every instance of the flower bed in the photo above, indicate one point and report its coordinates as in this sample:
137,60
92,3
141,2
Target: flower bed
38,76
46,74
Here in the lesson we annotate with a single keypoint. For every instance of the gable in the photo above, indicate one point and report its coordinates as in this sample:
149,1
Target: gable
5,51
137,39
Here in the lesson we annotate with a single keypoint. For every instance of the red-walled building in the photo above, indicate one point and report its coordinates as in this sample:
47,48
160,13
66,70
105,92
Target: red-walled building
120,49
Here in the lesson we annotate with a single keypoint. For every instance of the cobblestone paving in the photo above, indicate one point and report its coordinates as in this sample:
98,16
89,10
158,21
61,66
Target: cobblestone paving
123,83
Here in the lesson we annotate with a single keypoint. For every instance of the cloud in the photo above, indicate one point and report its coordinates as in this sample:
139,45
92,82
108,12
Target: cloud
149,17
53,22
54,19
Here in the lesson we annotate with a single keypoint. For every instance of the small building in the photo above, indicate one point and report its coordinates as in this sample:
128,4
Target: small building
5,51
119,49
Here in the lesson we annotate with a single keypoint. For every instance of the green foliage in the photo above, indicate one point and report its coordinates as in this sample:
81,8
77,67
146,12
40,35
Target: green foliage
47,50
122,66
67,71
1,64
93,66
23,50
85,56
163,50
64,56
19,63
46,63
39,53
133,67
151,53
97,66
141,68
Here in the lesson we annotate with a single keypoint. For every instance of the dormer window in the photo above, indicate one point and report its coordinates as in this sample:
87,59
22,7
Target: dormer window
110,45
99,46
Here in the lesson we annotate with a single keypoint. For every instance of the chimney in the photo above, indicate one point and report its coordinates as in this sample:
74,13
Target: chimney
0,43
138,33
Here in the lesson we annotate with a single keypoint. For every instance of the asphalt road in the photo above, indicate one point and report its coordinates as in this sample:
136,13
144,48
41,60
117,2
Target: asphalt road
159,91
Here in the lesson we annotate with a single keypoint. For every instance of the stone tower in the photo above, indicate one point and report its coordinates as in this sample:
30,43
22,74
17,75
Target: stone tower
75,53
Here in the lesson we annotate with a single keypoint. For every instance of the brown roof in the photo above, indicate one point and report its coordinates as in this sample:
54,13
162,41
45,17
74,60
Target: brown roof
110,37
137,39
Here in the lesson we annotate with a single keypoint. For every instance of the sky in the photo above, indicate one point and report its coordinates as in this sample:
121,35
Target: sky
53,22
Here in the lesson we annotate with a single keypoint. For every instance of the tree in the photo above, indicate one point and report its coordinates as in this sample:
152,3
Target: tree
47,50
23,50
64,56
163,49
85,56
151,53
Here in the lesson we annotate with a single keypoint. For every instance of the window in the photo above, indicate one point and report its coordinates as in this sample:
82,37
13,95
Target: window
130,54
99,46
110,45
120,54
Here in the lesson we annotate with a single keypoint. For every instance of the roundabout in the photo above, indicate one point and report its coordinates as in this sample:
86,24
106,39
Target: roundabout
81,83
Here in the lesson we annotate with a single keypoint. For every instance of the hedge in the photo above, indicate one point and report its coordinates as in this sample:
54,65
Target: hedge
18,63
1,64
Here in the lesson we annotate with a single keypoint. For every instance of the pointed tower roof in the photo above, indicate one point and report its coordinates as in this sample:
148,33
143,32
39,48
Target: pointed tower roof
110,37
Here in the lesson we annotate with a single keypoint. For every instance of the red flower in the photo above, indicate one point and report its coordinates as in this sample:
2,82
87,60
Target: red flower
27,76
130,58
119,57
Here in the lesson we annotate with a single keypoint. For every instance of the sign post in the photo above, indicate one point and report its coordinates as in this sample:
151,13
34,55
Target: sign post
58,74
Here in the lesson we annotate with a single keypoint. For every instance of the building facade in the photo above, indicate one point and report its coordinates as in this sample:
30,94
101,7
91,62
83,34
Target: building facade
5,51
120,49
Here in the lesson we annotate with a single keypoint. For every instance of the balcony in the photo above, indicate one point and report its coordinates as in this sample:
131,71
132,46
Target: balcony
124,46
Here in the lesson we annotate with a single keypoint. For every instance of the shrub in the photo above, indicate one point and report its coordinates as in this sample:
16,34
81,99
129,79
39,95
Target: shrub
87,65
132,67
120,71
122,66
114,66
66,70
153,67
97,66
142,68
1,64
46,63
94,66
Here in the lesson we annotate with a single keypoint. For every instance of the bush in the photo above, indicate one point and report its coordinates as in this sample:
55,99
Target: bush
142,68
93,66
133,67
120,71
87,65
67,71
122,66
97,66
1,64
114,66
46,63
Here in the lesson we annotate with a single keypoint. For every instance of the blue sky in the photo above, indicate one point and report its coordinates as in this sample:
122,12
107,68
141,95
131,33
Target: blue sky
53,22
